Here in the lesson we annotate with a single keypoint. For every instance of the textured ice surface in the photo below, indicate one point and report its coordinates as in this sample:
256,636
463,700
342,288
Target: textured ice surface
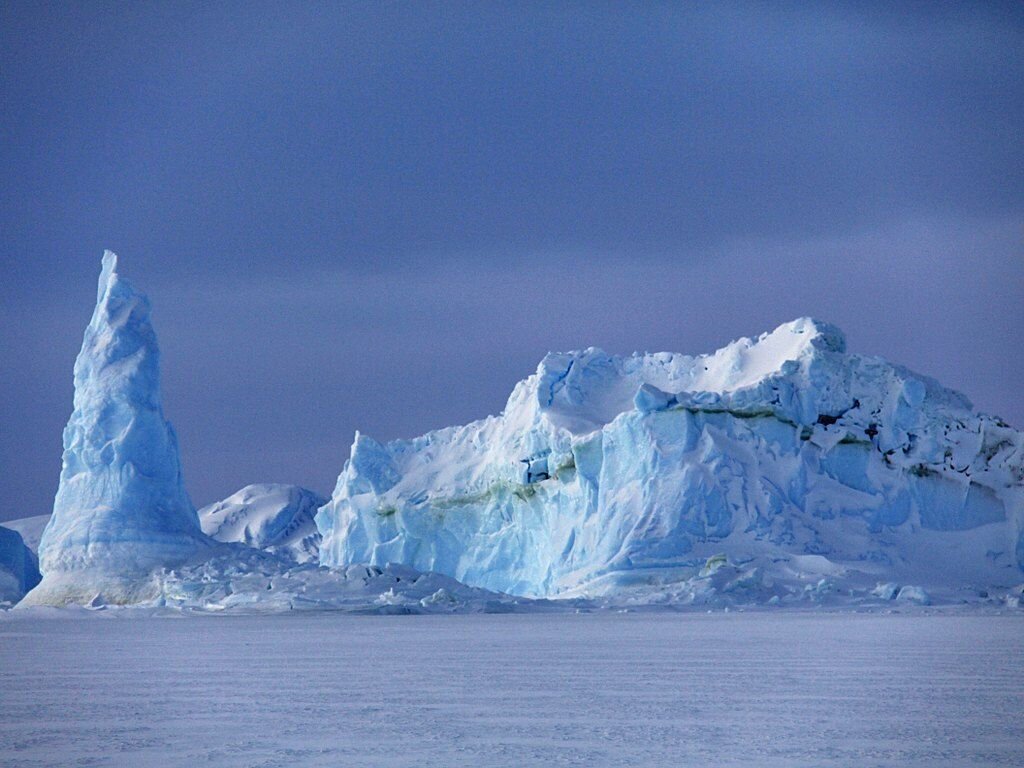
606,474
274,517
240,579
767,690
19,571
121,509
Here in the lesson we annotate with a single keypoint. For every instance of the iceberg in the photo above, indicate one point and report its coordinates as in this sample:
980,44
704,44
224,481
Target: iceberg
787,455
777,470
273,517
19,571
31,530
121,510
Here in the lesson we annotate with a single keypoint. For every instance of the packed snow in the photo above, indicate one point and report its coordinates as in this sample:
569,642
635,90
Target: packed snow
121,507
321,689
607,474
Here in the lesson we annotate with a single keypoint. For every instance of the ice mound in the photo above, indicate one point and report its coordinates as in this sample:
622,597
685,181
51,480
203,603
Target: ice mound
604,473
121,509
274,517
19,571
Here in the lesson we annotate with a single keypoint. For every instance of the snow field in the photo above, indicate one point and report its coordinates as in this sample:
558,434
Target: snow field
323,689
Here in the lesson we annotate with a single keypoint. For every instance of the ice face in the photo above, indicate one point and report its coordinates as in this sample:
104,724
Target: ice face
604,472
121,509
277,518
18,568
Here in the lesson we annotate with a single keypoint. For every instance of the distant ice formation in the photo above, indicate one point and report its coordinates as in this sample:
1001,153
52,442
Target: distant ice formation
19,571
610,474
121,509
273,517
31,530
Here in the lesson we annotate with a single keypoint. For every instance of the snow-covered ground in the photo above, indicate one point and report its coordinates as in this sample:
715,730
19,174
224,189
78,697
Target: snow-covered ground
604,689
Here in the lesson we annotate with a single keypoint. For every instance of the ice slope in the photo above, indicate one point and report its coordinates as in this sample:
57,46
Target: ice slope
274,517
121,509
786,459
19,571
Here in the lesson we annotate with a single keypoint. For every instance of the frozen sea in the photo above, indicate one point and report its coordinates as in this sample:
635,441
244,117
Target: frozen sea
739,689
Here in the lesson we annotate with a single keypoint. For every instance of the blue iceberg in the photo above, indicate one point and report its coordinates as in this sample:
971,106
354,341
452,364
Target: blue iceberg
779,453
121,510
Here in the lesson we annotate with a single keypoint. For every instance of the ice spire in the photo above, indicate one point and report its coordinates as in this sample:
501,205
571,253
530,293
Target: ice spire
121,510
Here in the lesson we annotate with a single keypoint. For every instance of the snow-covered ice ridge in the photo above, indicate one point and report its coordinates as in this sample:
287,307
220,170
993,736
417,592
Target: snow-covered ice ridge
779,458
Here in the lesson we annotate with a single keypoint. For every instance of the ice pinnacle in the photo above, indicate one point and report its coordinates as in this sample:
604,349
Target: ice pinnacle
121,511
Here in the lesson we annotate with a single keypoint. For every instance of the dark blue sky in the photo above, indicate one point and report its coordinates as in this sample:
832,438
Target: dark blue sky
382,216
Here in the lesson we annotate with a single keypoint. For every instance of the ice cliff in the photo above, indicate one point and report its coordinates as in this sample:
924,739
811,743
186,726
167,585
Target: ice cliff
273,517
121,510
780,455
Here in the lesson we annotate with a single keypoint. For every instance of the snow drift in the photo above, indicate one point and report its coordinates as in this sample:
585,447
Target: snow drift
782,456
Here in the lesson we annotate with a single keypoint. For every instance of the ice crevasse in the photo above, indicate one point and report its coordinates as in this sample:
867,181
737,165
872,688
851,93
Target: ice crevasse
605,471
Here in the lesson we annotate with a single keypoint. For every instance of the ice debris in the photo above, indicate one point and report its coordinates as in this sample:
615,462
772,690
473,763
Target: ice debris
237,578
